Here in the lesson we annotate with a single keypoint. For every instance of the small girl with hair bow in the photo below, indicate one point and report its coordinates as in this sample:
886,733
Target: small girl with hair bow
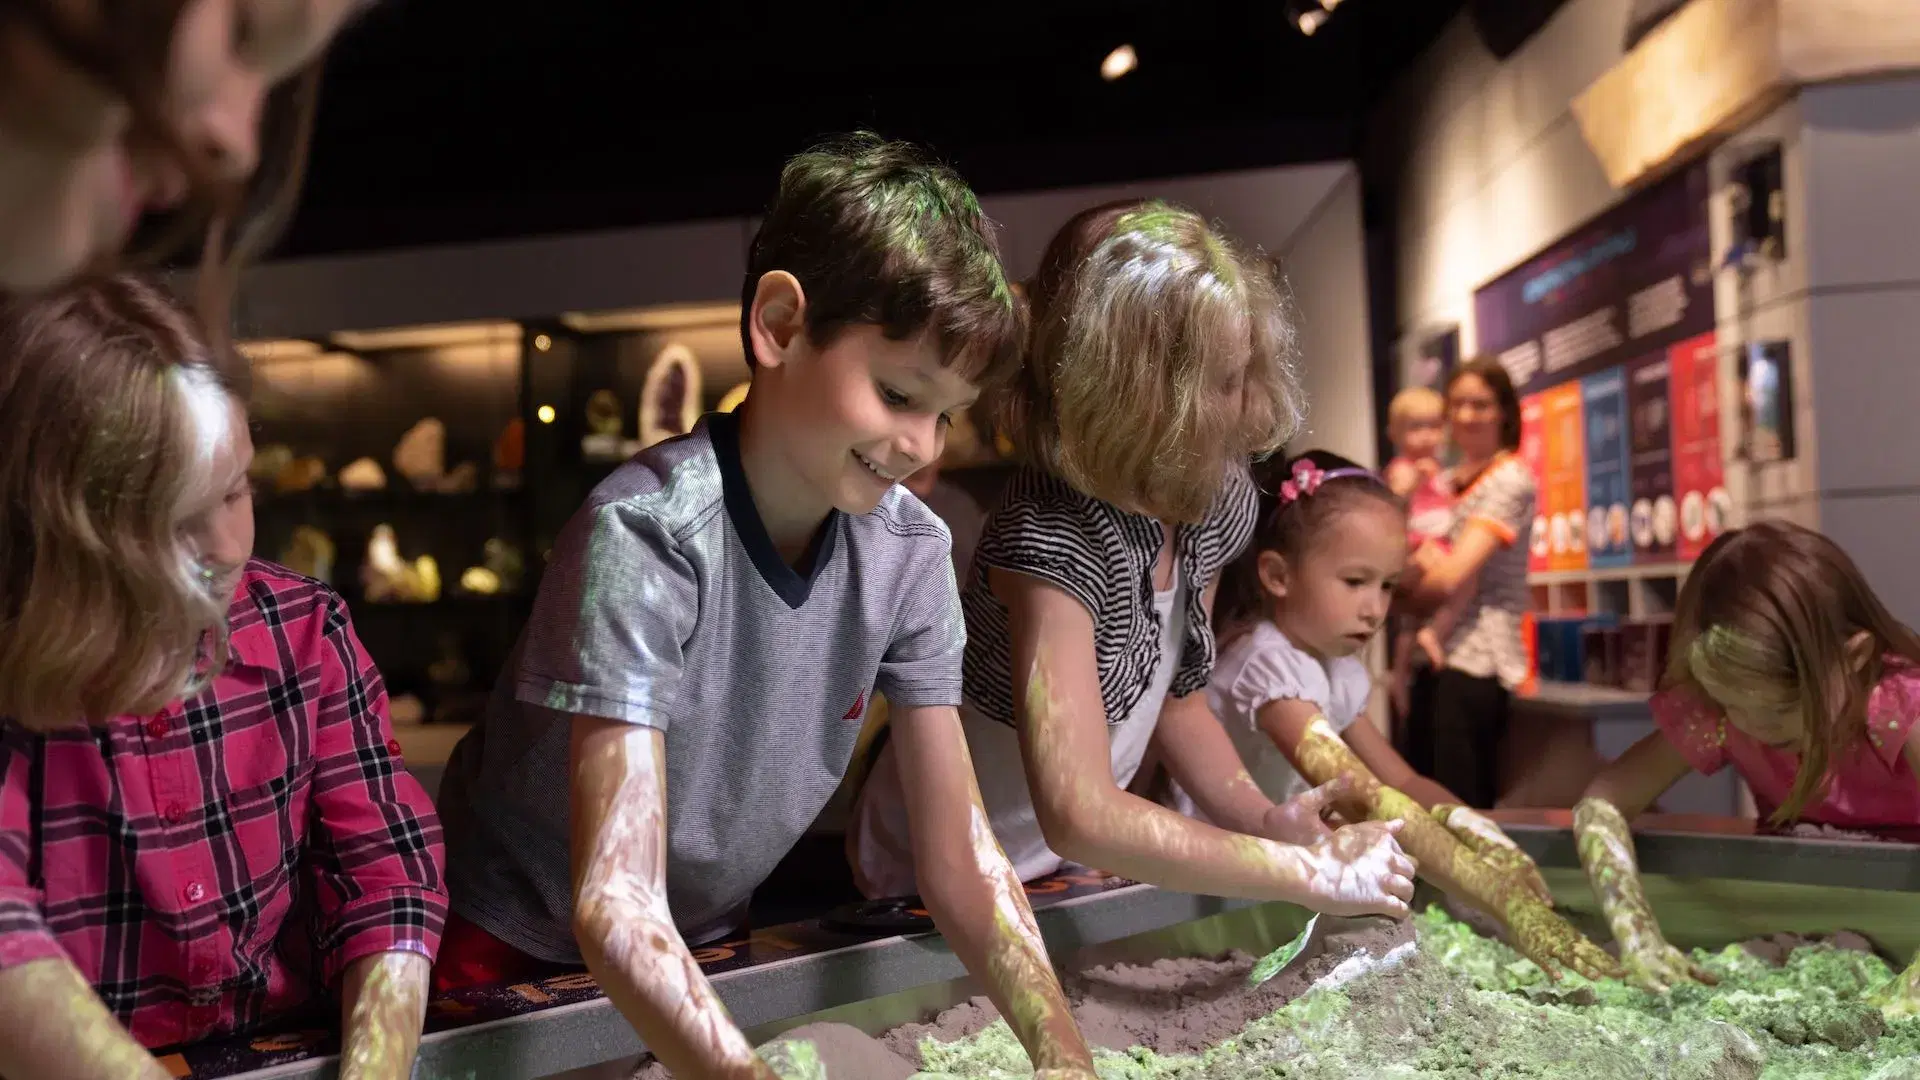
1785,665
1294,613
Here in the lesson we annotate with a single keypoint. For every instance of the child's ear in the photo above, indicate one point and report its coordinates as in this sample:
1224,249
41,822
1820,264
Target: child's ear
778,318
1272,569
1860,650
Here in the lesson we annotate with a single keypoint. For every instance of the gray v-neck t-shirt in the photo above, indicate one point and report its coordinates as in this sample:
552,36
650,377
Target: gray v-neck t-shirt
666,605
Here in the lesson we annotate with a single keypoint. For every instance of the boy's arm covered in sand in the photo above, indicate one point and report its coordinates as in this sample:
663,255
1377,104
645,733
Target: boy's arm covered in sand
1623,790
1453,861
54,1027
620,912
974,895
1087,818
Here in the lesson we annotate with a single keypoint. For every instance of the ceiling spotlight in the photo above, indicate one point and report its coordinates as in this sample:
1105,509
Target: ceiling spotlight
1310,15
1120,61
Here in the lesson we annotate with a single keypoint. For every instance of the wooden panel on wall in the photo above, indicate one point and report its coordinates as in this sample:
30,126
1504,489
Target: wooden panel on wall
1718,64
1694,79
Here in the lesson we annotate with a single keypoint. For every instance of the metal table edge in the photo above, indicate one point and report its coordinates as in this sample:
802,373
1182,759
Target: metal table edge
1783,859
592,1032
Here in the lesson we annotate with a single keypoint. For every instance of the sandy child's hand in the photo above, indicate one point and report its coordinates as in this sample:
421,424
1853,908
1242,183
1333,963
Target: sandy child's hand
1901,996
1495,847
1652,964
1551,942
1360,870
1300,819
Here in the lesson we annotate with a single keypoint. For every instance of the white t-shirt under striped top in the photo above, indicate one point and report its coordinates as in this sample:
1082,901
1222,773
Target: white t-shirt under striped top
1147,644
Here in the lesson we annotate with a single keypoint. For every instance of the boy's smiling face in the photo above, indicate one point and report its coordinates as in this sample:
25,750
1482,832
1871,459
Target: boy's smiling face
858,414
877,410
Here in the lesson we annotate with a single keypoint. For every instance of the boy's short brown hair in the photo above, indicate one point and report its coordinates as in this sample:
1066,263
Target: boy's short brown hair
1136,307
877,232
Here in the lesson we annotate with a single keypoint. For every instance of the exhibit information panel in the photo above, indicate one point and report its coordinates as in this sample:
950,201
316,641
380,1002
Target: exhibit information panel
1609,338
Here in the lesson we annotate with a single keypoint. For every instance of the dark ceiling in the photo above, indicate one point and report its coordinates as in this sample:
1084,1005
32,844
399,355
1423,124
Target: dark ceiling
558,115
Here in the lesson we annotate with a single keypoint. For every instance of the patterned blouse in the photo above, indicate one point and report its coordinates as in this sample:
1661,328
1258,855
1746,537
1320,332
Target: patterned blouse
1103,557
1486,641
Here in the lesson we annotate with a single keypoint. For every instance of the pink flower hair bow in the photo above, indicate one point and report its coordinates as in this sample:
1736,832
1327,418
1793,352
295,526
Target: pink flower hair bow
1307,478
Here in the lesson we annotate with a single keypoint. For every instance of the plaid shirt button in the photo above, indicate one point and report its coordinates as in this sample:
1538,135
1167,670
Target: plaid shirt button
194,892
158,727
173,813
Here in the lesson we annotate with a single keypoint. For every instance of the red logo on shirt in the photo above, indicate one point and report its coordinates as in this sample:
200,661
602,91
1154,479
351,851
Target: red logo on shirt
859,707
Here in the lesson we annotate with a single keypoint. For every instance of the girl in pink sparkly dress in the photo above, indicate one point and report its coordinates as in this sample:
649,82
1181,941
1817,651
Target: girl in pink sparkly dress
1786,666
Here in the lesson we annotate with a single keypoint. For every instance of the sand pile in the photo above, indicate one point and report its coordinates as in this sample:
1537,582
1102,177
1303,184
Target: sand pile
1459,1006
1178,1006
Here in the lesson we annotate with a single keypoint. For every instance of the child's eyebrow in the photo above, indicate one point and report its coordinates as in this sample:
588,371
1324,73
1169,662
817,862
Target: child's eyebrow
923,381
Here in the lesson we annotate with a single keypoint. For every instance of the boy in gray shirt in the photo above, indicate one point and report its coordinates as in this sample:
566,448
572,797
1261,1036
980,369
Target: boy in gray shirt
715,619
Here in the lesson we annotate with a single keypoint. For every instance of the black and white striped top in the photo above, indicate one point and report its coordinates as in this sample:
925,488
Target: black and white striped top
1103,557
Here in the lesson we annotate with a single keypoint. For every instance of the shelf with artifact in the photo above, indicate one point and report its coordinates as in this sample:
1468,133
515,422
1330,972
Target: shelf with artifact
397,473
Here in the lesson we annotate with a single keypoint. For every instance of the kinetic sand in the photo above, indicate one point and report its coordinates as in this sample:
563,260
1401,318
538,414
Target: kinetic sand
1457,1006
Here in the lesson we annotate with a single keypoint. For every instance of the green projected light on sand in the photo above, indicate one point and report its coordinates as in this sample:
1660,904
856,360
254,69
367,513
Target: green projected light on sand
1459,1006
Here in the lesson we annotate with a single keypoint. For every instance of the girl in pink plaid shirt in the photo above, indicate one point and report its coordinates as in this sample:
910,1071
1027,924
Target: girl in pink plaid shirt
204,820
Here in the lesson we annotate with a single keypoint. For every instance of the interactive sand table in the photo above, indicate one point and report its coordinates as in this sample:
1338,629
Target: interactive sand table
1453,1006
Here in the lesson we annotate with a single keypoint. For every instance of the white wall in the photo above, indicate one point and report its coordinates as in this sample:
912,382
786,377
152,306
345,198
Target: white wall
692,262
1309,215
541,277
1261,208
1306,216
1326,266
1860,160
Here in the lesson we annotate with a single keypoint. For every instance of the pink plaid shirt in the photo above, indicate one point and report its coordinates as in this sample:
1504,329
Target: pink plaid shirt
222,861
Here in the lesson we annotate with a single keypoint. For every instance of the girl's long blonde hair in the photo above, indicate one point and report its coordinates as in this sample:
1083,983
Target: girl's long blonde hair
103,609
1770,613
1137,308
